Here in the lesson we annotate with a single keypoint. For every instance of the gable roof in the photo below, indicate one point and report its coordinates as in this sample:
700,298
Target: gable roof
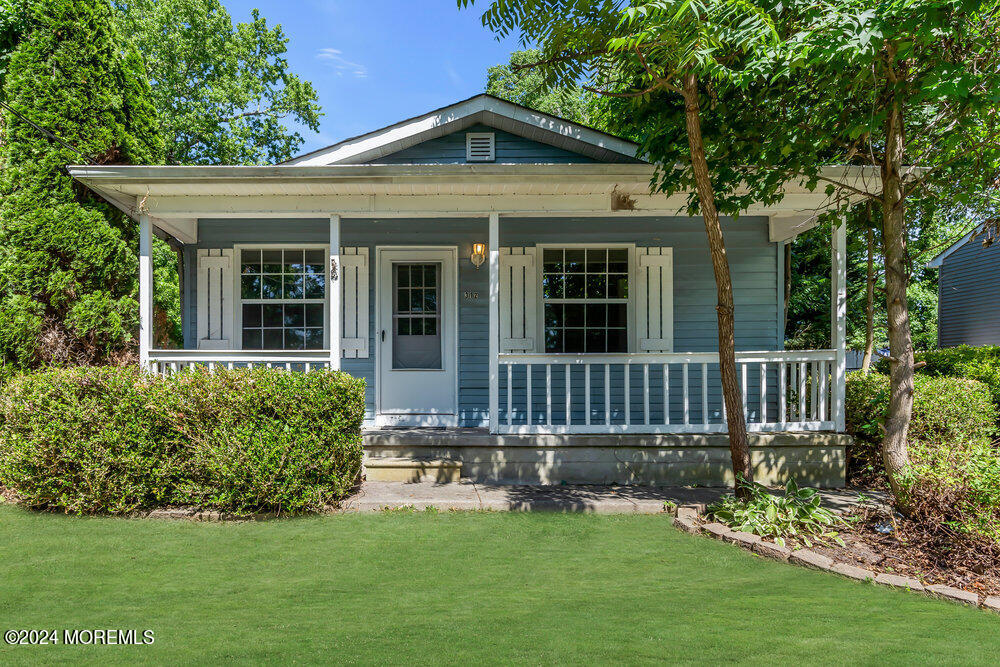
939,260
485,109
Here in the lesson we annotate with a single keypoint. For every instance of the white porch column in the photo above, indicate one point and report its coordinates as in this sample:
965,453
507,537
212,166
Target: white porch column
335,293
145,290
838,320
494,251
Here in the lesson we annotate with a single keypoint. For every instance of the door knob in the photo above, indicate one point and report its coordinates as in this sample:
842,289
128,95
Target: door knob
383,335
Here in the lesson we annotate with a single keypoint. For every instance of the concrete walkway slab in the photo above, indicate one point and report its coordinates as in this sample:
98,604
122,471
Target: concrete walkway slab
468,495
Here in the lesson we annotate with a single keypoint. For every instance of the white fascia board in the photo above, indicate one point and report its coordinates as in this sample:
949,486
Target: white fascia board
357,172
560,127
437,205
185,230
451,119
939,260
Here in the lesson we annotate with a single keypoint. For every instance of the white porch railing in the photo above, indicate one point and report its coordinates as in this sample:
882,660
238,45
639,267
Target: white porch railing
663,393
166,362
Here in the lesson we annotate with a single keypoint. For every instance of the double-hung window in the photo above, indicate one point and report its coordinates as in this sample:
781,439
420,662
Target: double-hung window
283,298
585,293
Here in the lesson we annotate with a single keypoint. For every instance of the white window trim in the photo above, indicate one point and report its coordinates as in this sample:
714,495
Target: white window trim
238,292
633,342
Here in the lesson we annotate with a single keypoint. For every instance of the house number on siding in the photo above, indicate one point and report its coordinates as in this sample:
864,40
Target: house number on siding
471,295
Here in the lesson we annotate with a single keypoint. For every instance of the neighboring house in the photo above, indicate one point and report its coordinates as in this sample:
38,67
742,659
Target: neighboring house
968,293
498,269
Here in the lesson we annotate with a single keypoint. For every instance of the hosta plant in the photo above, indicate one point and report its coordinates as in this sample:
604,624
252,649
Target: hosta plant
796,514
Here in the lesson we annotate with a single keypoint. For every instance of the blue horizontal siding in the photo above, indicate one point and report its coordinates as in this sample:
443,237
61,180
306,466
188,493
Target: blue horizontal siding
753,262
509,149
969,296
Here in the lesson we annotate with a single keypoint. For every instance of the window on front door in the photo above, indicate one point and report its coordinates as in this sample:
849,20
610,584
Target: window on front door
416,316
585,295
283,298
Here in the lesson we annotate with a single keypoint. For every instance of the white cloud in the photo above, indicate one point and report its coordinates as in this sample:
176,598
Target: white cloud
335,59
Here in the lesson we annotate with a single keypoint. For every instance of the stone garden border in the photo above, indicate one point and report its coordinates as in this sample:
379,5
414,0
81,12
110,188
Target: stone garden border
690,519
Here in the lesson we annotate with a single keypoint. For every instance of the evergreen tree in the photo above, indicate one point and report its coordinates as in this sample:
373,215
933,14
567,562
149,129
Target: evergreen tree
68,265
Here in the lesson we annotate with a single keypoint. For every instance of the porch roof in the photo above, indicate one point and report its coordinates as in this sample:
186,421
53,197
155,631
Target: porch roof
177,196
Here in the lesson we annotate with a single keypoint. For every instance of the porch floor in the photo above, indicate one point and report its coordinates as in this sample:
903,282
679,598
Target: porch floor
597,499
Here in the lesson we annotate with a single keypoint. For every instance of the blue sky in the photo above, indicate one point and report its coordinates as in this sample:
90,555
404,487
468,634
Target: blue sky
375,62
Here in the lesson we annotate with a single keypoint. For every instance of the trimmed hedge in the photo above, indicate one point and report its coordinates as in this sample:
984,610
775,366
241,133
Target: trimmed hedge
115,440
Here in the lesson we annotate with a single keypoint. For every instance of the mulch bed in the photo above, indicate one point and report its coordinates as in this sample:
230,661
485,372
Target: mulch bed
882,541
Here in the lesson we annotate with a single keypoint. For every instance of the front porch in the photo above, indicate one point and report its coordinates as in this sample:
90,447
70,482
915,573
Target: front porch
524,391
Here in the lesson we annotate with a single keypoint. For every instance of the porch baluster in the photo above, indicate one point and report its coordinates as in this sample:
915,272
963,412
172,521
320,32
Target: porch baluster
687,403
802,391
510,394
763,393
704,394
743,384
548,394
666,394
645,393
607,394
569,405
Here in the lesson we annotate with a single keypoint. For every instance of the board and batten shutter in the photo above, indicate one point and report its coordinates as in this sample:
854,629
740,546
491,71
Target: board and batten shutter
354,290
215,299
654,303
518,299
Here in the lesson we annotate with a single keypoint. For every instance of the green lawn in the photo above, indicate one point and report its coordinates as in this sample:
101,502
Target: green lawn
453,588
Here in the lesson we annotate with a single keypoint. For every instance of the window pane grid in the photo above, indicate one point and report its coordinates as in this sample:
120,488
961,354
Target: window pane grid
283,298
585,295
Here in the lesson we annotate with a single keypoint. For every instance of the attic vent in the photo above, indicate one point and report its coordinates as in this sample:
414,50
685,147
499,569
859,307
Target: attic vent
479,147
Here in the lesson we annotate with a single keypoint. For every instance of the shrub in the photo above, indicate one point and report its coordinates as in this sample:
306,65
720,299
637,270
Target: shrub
956,488
977,363
953,483
945,409
796,514
113,439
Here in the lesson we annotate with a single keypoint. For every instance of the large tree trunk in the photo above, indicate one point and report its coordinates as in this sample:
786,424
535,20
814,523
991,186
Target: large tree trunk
736,420
894,451
869,298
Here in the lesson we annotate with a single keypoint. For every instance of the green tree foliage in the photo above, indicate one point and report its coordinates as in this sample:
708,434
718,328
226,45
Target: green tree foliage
808,323
224,92
519,82
14,23
905,91
674,50
68,266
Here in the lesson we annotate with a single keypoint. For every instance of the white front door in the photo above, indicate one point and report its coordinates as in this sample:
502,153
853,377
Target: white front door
417,337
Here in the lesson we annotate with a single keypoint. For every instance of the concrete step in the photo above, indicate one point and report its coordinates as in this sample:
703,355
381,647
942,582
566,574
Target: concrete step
393,469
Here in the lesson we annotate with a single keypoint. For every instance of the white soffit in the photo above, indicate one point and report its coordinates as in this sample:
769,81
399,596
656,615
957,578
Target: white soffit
786,227
939,260
485,109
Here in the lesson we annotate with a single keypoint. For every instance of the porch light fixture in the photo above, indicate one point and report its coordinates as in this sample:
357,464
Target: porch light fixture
478,254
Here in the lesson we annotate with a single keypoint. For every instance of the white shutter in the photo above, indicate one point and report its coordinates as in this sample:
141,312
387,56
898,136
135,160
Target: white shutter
654,305
215,299
354,288
518,299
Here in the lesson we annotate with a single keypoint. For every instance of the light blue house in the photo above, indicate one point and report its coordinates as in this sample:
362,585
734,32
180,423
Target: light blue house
505,277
